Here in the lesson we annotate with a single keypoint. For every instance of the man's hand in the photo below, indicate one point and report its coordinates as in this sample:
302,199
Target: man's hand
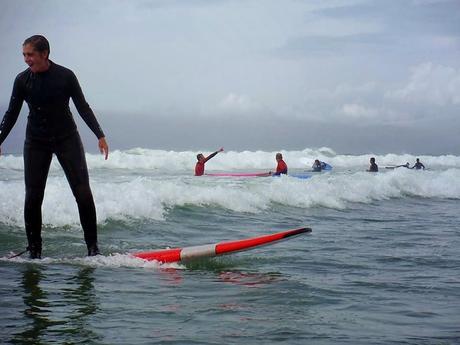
103,147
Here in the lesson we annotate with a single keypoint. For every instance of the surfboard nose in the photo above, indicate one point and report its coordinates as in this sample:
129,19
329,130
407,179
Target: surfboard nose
210,250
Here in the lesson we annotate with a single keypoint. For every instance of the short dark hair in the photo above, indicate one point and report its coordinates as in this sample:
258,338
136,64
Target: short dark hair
39,42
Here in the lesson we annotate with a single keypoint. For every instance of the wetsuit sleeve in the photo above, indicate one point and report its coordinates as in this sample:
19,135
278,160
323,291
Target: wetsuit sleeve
83,107
14,108
211,155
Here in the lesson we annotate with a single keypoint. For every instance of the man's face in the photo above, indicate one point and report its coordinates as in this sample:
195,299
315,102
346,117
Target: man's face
37,61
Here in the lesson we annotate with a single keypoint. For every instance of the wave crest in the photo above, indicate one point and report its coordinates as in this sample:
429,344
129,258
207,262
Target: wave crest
153,196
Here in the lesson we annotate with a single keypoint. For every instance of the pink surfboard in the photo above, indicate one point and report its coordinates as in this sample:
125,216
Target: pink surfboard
239,174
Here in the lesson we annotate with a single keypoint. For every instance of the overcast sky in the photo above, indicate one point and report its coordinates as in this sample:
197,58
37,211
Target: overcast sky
358,76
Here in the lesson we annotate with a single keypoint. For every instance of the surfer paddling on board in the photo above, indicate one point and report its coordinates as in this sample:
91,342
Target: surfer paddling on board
199,167
418,165
373,167
281,167
51,129
318,166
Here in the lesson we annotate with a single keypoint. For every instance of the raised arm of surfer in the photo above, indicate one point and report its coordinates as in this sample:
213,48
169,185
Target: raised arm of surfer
199,167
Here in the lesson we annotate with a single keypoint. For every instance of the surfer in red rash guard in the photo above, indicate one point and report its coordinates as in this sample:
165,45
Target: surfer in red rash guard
281,168
199,167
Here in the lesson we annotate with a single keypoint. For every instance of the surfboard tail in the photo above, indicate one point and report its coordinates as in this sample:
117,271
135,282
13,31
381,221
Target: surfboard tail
165,255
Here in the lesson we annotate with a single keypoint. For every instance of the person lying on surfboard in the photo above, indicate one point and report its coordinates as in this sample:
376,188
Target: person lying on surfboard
318,166
281,168
199,167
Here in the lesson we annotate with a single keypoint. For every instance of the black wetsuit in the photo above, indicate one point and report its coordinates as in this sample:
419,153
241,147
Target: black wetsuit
374,167
418,166
317,167
52,129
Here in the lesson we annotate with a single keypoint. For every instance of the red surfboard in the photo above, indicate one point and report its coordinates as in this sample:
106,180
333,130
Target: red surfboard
211,250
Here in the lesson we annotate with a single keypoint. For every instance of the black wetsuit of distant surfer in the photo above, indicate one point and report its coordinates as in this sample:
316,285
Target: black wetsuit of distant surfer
418,165
51,129
373,167
318,166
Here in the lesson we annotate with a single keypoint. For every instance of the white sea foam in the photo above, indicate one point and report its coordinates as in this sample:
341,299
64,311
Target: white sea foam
161,161
130,196
169,161
113,260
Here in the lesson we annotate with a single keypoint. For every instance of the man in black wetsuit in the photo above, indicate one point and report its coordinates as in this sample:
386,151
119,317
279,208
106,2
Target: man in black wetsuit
47,88
373,167
317,166
418,165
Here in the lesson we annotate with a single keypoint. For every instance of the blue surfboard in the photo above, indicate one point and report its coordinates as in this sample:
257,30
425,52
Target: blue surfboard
299,175
326,166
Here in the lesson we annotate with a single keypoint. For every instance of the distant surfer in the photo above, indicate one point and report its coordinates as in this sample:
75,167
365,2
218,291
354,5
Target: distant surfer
199,167
418,165
51,129
281,167
318,166
373,167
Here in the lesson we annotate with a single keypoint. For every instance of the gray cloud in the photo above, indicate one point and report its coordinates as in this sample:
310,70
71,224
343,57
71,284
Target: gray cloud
352,75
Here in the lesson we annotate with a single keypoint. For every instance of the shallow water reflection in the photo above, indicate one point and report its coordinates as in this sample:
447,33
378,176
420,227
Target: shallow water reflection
57,311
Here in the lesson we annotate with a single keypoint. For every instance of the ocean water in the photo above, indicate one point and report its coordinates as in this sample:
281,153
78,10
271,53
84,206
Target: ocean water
381,266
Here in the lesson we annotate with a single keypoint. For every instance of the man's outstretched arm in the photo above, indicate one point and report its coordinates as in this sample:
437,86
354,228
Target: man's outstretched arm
213,154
